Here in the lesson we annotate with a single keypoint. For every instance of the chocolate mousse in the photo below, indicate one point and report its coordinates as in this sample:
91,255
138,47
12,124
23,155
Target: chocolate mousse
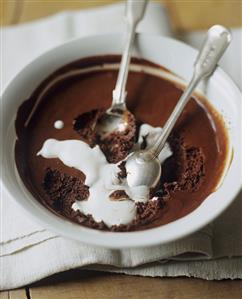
70,109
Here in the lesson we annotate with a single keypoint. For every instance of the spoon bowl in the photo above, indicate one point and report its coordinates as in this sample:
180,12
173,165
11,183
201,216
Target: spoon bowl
112,121
142,162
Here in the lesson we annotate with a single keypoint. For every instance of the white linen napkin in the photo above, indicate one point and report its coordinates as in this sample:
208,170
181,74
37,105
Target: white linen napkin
29,252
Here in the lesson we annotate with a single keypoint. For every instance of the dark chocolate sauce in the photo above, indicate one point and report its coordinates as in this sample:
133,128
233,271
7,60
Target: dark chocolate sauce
198,141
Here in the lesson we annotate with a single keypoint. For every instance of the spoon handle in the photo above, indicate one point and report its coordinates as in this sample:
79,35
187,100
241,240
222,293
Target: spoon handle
217,40
134,13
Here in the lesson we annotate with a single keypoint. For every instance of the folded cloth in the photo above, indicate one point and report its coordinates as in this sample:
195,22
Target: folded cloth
28,252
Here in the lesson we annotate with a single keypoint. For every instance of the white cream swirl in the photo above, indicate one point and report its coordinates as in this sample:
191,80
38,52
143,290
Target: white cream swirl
102,178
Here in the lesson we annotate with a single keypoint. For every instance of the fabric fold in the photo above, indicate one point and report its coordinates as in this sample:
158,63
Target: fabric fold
59,254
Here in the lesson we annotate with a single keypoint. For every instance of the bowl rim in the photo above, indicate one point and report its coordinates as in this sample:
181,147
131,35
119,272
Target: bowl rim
117,240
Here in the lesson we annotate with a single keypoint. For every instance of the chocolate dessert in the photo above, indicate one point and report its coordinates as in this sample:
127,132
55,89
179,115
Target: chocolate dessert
66,165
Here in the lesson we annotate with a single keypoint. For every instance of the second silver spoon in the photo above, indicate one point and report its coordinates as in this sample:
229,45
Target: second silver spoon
143,167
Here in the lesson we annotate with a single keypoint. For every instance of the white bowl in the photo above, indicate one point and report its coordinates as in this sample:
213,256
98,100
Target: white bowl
173,55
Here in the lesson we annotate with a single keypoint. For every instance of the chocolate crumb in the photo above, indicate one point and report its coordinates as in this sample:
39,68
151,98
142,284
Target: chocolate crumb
122,174
118,195
194,170
115,146
63,190
85,125
184,170
147,212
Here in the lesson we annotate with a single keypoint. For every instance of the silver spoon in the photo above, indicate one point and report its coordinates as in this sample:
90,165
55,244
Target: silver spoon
115,118
143,166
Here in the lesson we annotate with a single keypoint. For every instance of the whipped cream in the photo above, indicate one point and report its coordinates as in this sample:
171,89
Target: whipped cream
59,124
102,177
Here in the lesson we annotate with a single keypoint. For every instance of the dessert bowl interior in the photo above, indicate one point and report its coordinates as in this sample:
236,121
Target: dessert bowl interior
174,56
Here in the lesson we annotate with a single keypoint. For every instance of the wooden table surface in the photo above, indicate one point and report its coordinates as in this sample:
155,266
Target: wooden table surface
76,284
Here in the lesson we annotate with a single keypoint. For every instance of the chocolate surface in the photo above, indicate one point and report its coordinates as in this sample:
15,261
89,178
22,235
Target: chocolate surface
198,143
